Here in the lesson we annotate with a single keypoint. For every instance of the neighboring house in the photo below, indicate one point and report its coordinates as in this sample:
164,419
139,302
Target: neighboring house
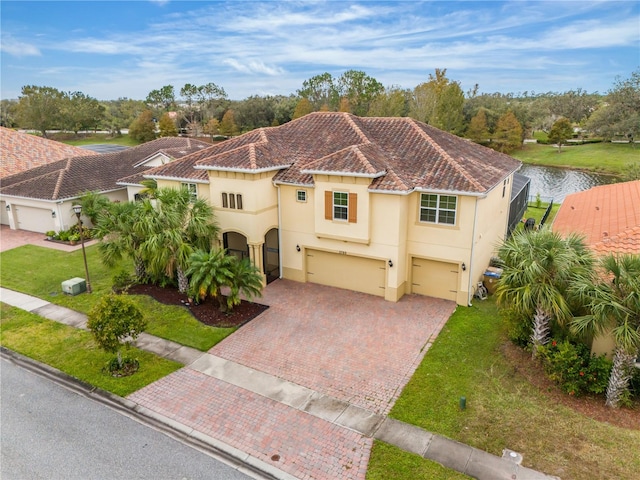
609,218
20,152
385,206
40,199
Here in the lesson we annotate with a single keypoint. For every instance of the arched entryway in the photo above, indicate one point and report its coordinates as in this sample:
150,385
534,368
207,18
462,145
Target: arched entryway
236,244
271,255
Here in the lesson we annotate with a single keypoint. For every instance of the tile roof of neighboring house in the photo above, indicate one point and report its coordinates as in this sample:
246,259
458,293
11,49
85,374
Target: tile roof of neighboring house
71,177
21,151
400,154
608,215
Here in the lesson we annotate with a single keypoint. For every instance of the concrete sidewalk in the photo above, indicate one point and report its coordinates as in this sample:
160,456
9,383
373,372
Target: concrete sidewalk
463,458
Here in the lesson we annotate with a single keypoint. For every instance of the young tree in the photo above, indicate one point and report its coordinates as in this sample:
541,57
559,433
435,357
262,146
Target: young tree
209,271
212,128
94,205
303,108
508,134
537,269
143,128
167,126
115,321
478,130
228,126
245,280
561,131
611,294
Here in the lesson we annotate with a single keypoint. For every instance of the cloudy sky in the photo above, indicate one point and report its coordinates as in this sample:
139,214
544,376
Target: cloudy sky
128,48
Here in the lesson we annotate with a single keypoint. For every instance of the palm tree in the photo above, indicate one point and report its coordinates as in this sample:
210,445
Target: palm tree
612,295
209,271
117,227
173,230
245,280
537,269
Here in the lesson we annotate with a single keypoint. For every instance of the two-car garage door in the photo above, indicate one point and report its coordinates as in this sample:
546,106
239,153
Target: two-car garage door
434,278
361,274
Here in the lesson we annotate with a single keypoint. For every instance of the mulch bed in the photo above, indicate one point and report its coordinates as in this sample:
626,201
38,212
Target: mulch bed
590,406
207,312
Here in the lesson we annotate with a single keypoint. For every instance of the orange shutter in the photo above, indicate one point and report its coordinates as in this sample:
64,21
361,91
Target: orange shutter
328,205
353,207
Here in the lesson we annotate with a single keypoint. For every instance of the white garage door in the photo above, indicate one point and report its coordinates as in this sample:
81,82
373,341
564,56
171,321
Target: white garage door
4,215
434,279
33,219
360,274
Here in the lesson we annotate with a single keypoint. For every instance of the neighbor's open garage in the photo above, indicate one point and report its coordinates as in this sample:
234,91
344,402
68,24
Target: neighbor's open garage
366,275
434,278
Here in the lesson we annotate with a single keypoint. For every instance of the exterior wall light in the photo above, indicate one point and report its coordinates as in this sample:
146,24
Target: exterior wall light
53,214
390,263
297,248
464,267
8,207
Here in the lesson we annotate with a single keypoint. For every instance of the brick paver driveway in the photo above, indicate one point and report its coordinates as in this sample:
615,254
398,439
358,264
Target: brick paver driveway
352,346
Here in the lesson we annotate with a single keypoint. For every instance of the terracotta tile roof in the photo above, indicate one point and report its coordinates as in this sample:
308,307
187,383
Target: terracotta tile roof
608,215
399,153
73,176
22,151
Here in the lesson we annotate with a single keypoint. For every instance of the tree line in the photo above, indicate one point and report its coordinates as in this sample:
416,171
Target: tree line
498,120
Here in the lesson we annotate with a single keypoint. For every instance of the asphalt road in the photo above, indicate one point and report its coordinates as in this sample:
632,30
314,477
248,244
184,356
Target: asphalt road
49,432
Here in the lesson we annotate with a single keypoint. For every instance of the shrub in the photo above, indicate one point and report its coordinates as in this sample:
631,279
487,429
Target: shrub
122,281
519,328
573,367
64,235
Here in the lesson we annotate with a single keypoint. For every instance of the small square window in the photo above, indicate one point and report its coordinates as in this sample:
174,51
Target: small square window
301,195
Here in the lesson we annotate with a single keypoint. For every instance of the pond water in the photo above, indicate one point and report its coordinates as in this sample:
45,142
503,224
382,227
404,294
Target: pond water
556,183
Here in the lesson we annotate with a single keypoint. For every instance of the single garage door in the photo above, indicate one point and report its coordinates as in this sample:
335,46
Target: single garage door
434,279
365,275
33,219
4,215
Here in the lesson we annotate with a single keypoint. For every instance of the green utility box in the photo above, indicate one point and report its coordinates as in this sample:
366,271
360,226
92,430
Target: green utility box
74,286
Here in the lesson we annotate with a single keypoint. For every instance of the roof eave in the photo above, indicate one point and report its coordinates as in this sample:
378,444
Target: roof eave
344,174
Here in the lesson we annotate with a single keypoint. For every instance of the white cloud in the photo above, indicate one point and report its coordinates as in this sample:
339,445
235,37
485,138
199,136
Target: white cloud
18,48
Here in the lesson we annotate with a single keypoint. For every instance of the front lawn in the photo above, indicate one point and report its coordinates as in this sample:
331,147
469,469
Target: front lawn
503,410
39,271
599,157
75,352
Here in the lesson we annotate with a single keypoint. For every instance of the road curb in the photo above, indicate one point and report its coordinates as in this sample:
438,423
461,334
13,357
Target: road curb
227,454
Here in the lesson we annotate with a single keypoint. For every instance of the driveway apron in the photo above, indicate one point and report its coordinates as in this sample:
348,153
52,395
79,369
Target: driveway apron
347,345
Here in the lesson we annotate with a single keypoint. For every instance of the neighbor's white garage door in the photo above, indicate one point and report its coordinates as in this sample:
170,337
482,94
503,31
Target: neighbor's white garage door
4,215
33,219
360,274
434,279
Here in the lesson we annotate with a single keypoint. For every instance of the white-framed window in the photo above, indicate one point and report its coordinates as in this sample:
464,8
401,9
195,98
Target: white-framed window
438,208
232,200
340,206
192,188
301,195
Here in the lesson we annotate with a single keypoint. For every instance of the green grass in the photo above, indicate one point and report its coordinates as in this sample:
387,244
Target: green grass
39,271
610,158
74,352
536,212
503,409
393,463
82,139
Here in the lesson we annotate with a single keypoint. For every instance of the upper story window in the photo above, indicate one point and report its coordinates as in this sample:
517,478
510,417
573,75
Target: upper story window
192,188
438,208
301,195
342,206
232,200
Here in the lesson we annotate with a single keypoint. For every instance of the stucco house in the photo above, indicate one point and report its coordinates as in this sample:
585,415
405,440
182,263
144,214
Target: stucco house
385,206
609,218
40,199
